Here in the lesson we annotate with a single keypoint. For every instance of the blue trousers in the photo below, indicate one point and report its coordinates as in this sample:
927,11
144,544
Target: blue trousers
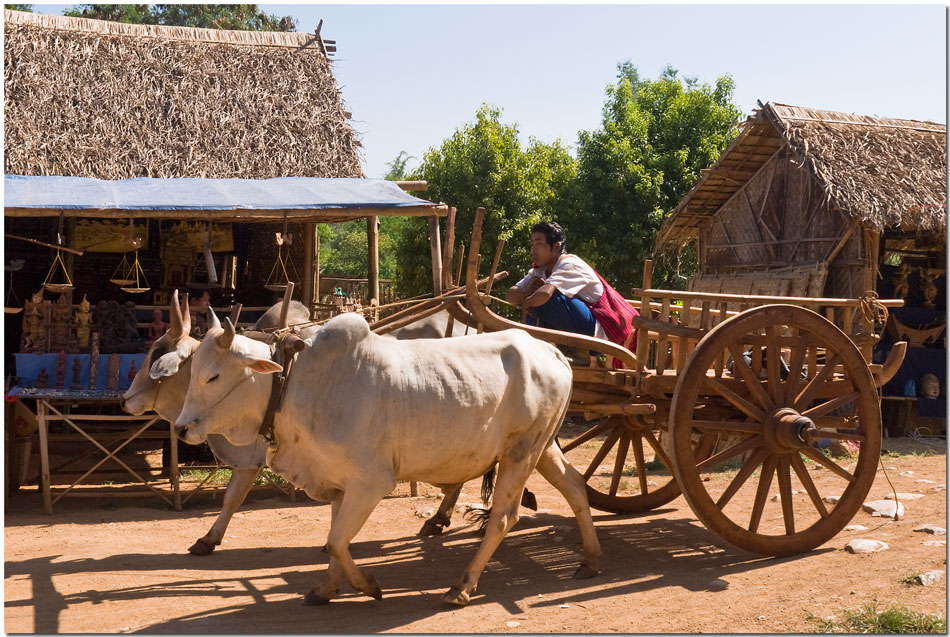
564,314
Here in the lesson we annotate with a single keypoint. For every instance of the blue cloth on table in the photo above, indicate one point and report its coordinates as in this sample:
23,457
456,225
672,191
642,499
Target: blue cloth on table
28,367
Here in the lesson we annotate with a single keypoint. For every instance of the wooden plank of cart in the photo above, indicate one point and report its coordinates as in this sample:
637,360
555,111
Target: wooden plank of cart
752,385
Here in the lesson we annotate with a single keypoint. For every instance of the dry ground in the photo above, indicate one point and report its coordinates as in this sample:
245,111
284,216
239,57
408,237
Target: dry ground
120,565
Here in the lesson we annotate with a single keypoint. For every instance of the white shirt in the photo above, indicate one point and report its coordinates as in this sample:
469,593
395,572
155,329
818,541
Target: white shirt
571,276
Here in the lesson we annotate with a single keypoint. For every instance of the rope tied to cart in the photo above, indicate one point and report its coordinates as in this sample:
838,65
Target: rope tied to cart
874,311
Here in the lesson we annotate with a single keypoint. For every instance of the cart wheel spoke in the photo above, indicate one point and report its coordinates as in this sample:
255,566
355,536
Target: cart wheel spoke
587,435
809,485
747,468
641,463
795,367
804,398
741,447
737,401
658,450
785,493
752,381
820,410
839,435
820,458
622,446
727,426
762,492
611,440
773,359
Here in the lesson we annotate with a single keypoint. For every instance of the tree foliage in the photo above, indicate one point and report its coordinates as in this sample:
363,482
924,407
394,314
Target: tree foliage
484,165
655,138
28,8
244,17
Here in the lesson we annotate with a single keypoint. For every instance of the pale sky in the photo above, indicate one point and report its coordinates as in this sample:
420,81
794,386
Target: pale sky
413,74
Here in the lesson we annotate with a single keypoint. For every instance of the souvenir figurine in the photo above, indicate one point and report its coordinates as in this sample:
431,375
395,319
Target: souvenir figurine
42,380
61,317
928,286
61,369
76,385
83,322
94,361
156,328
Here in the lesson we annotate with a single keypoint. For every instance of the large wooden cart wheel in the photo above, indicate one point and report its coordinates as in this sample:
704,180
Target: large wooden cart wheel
774,383
625,465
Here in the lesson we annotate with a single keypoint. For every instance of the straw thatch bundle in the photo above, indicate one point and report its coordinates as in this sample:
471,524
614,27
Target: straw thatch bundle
108,100
884,173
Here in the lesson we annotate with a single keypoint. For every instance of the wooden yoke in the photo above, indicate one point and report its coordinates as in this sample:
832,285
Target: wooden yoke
477,306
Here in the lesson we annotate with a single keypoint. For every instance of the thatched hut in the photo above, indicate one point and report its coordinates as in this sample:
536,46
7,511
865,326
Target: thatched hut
809,202
91,98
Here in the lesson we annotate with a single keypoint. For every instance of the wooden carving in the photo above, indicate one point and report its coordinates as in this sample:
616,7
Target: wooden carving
83,323
60,324
94,361
113,373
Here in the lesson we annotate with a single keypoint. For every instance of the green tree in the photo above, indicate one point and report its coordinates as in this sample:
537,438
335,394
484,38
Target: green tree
28,8
484,165
245,17
655,138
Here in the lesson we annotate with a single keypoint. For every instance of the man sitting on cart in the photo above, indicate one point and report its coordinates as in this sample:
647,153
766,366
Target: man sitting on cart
562,292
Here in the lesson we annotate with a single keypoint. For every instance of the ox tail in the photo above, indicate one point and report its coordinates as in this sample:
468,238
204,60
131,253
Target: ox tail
488,485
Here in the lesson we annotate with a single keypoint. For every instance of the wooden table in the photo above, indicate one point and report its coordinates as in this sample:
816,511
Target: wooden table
111,441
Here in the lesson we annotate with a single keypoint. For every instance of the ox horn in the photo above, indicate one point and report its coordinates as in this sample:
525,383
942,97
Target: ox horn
215,322
227,338
186,318
175,330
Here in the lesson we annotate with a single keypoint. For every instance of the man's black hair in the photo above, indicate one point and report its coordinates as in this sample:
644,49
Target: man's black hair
553,232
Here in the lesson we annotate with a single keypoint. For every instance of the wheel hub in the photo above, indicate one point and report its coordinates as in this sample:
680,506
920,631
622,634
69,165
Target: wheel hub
786,430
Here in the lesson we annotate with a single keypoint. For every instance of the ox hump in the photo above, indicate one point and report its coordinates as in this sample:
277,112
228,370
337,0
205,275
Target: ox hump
345,329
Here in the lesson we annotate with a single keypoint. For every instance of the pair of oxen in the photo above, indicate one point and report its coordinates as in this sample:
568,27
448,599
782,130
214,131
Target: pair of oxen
360,412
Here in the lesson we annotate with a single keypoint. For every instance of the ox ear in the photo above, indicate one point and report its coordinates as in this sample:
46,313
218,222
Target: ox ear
263,365
165,366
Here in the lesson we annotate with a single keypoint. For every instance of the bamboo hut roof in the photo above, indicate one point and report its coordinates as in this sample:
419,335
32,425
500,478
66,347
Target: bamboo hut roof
92,98
882,172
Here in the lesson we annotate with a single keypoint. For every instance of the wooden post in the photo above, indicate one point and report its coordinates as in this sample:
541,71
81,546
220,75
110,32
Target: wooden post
435,250
372,237
314,299
307,283
448,250
44,455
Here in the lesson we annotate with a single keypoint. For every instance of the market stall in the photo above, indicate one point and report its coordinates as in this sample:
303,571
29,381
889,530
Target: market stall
96,290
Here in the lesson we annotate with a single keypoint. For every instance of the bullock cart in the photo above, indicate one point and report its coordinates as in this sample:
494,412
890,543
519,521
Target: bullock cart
720,394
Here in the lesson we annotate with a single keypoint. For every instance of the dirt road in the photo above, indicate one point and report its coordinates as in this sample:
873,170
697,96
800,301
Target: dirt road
121,566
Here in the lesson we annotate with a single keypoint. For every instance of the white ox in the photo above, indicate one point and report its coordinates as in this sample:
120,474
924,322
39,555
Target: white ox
162,382
361,412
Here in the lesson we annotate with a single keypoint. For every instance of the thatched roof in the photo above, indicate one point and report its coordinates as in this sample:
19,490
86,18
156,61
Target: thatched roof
91,98
882,172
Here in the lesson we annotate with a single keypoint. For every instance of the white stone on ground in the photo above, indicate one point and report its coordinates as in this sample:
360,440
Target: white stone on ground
883,508
933,529
935,543
865,546
855,527
831,499
904,496
928,578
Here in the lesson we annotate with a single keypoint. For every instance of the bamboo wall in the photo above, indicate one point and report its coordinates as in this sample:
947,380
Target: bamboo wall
778,235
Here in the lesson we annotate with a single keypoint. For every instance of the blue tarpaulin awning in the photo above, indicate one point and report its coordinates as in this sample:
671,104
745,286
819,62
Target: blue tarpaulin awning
296,198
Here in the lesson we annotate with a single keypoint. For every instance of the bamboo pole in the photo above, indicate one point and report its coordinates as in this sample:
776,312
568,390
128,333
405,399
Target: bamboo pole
44,244
435,252
372,238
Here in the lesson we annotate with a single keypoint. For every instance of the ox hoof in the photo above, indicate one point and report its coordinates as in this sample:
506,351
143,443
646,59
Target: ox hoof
431,528
372,588
201,547
312,599
456,596
585,572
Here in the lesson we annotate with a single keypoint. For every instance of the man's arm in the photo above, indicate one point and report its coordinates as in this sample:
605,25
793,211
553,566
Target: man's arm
542,296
